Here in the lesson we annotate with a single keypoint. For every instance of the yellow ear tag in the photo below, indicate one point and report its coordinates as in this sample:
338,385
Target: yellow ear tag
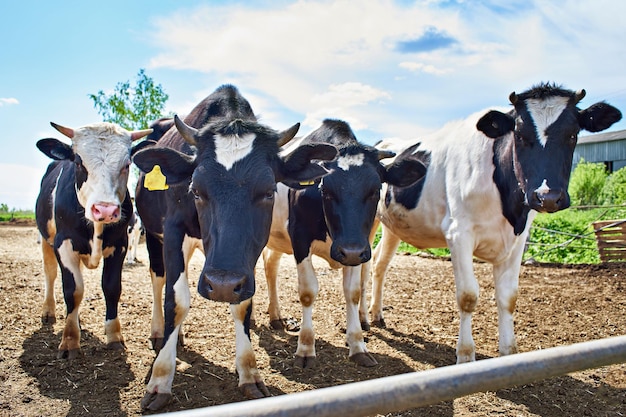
155,180
307,182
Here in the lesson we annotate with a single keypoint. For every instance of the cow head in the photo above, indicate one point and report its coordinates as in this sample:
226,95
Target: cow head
101,154
233,177
538,137
351,191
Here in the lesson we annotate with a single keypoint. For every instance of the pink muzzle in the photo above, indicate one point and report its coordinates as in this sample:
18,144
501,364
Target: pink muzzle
106,213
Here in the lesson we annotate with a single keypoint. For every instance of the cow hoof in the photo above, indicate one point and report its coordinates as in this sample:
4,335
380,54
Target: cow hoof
365,326
276,324
253,391
116,346
379,323
154,401
157,343
305,362
364,359
48,319
70,354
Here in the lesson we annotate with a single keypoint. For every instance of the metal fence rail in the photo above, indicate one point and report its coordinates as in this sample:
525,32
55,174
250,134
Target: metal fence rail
412,390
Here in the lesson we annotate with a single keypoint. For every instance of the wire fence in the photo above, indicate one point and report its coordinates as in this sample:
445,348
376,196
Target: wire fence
587,245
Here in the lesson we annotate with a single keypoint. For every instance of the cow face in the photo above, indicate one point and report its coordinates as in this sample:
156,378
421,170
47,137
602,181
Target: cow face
350,194
544,127
233,179
101,154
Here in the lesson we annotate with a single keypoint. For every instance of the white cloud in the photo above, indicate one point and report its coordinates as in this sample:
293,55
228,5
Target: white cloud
287,56
341,101
8,101
425,68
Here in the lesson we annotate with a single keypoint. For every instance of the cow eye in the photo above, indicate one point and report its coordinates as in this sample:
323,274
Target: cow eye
195,193
266,196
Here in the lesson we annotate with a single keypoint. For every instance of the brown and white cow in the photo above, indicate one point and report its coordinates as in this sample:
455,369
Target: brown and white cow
487,177
333,219
221,168
82,213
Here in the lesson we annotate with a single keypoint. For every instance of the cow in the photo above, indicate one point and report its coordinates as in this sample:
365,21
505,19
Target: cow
82,213
135,230
220,168
333,219
487,178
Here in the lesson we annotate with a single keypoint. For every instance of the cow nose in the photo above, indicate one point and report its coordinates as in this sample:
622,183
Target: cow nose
351,255
223,286
105,212
550,201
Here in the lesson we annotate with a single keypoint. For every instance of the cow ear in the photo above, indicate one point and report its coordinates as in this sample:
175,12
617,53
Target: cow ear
141,145
176,166
495,124
297,166
598,117
56,149
405,172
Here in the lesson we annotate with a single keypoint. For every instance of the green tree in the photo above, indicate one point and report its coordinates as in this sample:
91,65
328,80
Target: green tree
586,183
132,107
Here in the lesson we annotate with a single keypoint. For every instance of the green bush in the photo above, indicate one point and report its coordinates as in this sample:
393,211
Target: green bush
614,191
586,183
567,236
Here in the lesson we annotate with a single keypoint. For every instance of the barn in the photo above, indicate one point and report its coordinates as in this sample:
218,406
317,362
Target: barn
608,148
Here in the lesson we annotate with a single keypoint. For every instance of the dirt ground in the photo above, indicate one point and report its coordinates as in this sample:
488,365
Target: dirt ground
557,305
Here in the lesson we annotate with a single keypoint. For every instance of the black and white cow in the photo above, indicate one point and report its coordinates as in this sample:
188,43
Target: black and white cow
333,219
487,177
82,213
135,230
221,168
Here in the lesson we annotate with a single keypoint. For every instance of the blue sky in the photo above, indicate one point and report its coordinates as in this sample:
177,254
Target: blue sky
389,68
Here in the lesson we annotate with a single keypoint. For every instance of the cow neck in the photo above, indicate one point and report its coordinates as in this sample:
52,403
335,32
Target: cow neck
512,198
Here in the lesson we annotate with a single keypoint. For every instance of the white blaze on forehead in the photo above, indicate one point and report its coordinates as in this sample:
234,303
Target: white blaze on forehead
233,148
544,113
345,162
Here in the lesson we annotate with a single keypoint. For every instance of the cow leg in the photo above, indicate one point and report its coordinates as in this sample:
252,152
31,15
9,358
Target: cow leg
384,252
506,276
159,388
354,334
133,242
366,270
157,278
271,263
365,275
307,289
112,289
461,246
73,289
50,269
250,382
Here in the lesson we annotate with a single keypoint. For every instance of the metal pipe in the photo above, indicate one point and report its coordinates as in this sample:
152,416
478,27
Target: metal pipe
417,389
